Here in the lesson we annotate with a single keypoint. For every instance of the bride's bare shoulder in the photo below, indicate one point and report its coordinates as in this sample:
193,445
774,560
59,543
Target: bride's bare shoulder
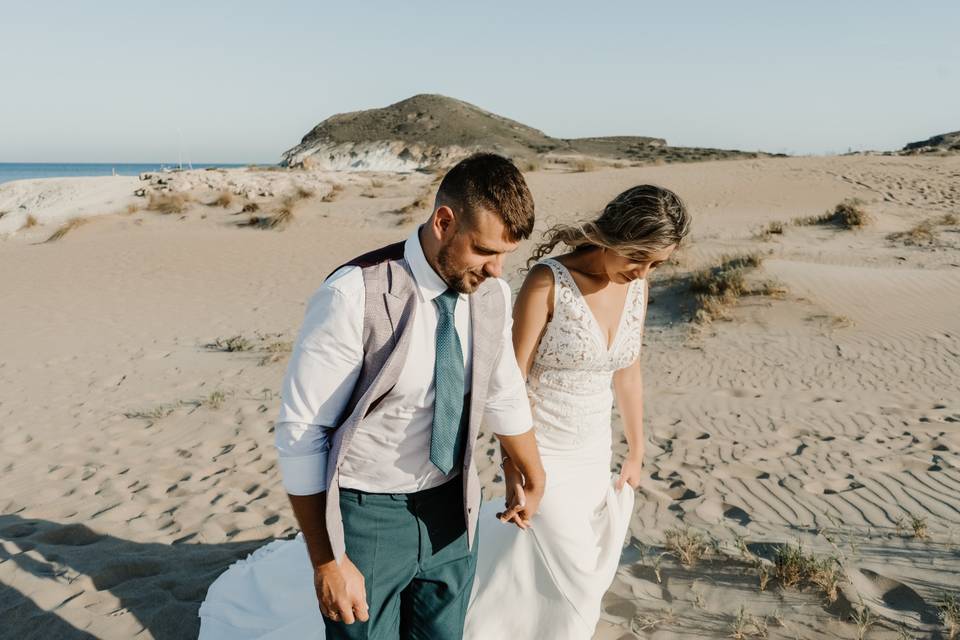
537,289
538,277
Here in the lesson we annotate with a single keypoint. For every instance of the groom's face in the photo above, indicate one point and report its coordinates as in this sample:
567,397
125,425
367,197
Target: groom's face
472,250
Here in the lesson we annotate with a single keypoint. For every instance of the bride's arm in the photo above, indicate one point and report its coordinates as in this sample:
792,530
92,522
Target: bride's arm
531,312
628,389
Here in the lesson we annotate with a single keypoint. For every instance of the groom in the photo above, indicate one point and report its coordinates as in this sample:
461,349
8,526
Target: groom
403,353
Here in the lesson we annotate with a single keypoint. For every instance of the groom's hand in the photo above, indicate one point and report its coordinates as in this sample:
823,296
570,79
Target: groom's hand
522,515
525,500
341,591
516,496
523,453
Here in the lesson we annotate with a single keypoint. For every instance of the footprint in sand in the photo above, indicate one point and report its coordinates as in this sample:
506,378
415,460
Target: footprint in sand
736,514
893,594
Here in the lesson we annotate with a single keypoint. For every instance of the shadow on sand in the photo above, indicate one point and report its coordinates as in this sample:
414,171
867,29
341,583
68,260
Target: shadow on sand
161,585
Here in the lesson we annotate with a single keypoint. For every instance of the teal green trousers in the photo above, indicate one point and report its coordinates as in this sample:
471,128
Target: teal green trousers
412,552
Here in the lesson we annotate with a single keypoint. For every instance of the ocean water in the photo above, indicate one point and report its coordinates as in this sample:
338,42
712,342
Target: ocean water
28,170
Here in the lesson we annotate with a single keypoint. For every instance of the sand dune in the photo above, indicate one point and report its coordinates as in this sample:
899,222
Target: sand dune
138,464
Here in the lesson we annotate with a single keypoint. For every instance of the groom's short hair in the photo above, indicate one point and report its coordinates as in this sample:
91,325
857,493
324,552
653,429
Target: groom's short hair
492,182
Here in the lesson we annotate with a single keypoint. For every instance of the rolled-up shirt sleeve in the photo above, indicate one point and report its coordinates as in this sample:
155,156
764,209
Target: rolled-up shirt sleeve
324,365
303,450
507,412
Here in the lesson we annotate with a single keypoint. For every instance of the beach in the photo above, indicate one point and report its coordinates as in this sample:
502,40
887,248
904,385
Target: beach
816,411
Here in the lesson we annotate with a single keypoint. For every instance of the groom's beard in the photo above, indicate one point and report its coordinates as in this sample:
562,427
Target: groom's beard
460,280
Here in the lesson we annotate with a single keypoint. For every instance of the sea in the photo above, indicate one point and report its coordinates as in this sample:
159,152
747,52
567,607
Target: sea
29,170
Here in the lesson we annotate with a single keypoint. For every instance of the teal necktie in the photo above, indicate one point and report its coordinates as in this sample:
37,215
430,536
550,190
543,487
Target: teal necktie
446,441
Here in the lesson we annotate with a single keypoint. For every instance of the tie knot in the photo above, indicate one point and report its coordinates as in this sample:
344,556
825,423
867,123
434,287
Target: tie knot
447,301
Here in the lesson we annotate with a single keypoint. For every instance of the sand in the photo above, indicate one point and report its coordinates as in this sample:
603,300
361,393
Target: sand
138,462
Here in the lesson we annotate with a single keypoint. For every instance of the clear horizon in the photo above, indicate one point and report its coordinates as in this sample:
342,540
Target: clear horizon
241,82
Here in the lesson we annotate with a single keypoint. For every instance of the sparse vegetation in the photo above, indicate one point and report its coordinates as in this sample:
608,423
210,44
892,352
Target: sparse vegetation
763,571
774,228
841,322
66,228
641,623
919,526
849,214
279,220
762,567
949,608
275,352
421,202
717,288
301,193
29,223
283,215
231,344
250,207
686,545
746,626
925,232
168,202
581,165
792,565
915,526
527,165
863,618
224,199
795,568
333,194
830,321
920,234
151,414
409,211
215,400
132,208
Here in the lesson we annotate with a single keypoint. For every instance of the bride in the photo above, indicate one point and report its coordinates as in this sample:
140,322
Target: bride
578,327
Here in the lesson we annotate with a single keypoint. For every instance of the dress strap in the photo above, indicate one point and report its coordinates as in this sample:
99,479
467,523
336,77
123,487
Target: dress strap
559,280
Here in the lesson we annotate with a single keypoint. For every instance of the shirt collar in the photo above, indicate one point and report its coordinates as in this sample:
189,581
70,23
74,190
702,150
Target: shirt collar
429,283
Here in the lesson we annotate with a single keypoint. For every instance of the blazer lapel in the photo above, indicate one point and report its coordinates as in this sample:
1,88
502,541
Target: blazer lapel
485,337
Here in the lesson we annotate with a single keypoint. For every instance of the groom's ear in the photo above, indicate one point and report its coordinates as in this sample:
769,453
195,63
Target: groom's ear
444,222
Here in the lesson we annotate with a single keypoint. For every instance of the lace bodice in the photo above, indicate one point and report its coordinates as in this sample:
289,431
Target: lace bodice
570,380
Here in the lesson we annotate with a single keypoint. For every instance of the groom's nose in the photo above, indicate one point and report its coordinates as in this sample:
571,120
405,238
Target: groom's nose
494,267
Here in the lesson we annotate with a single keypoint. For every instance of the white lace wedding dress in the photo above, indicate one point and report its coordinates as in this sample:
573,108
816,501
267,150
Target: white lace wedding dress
545,583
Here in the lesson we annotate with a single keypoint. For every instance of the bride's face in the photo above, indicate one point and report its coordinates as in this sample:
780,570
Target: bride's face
623,269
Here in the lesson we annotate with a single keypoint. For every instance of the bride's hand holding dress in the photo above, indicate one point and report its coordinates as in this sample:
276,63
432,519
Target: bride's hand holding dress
626,384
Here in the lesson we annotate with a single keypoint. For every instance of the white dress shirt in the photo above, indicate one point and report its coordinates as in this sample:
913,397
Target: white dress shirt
390,452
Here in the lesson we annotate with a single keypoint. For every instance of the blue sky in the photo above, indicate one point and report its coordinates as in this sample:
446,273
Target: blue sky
242,81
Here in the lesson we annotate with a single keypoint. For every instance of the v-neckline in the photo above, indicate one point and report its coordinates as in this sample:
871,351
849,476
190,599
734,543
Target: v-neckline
607,343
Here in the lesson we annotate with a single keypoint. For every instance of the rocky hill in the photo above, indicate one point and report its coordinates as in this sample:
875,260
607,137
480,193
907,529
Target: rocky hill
427,131
943,143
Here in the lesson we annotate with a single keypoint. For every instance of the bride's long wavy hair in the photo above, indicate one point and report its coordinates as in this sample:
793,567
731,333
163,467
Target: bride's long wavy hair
640,221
